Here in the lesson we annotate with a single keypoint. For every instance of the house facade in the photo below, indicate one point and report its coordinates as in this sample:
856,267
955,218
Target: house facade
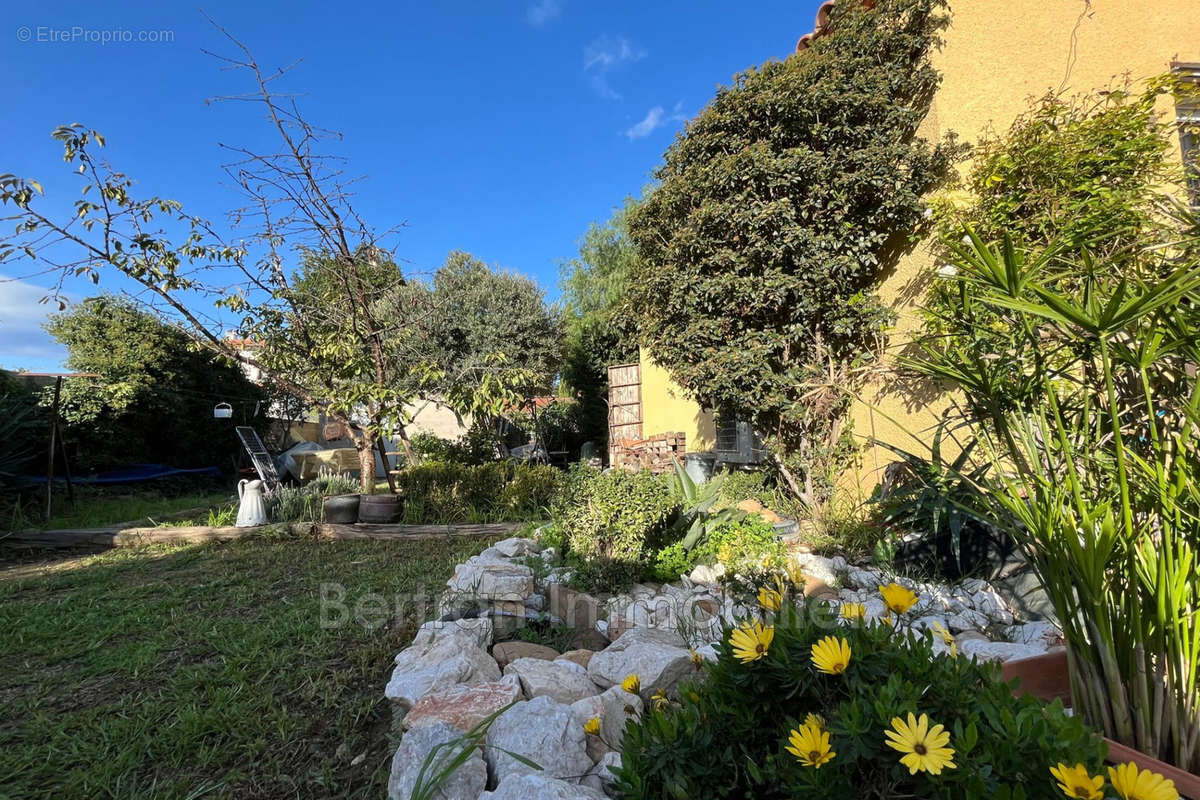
998,56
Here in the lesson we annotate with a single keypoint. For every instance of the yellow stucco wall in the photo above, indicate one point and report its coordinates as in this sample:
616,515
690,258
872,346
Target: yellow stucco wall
999,54
666,410
998,57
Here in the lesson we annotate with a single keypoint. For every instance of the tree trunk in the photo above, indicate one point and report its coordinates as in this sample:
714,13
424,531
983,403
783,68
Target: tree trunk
365,444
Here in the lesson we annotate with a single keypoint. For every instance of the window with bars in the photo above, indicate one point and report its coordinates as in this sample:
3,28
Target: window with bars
1187,111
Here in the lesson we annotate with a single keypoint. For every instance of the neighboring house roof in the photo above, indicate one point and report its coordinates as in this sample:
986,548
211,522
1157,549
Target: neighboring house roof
822,23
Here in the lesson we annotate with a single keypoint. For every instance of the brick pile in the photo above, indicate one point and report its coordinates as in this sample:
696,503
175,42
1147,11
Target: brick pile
657,453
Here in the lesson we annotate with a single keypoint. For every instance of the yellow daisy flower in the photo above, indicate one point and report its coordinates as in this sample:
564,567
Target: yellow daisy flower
816,720
697,659
750,642
1144,785
810,745
855,612
632,684
659,699
924,747
897,598
831,655
948,638
769,599
1077,782
592,727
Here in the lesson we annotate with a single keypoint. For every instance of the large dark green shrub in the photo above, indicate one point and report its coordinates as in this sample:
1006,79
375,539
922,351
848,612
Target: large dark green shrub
153,401
725,738
501,491
614,515
777,214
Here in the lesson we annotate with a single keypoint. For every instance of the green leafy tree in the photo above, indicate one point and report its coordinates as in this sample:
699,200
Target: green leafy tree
594,286
777,213
154,400
480,313
293,202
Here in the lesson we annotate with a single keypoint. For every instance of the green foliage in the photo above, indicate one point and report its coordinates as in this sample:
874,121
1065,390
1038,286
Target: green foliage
740,485
777,213
477,313
742,543
616,515
470,448
594,286
20,429
306,503
725,737
154,400
500,491
941,501
1093,171
696,519
1101,477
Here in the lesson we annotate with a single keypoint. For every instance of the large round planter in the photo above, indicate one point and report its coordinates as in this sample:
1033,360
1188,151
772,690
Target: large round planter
341,509
378,509
1047,677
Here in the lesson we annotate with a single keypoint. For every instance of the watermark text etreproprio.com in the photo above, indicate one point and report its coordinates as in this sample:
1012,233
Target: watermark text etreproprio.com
78,34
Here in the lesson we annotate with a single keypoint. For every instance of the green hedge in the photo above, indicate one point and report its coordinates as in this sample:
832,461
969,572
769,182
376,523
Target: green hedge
501,491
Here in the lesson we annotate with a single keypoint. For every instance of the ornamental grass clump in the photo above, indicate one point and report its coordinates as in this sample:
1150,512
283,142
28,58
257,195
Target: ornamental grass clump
802,703
1098,470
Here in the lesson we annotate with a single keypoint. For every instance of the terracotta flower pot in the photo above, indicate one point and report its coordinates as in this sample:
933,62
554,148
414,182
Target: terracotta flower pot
1047,677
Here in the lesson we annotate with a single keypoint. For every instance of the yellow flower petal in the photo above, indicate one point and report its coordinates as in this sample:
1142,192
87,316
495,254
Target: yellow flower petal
1133,784
751,642
831,655
810,745
924,747
897,598
1077,782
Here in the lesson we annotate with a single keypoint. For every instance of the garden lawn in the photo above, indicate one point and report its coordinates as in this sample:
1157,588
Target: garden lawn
96,511
203,671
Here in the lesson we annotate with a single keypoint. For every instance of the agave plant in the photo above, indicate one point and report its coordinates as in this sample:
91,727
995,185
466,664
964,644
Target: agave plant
696,518
1101,472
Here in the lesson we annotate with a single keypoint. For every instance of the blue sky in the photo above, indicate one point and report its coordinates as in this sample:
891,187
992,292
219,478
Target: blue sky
502,128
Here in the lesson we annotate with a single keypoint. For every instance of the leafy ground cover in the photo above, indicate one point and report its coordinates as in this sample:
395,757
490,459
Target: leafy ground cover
204,671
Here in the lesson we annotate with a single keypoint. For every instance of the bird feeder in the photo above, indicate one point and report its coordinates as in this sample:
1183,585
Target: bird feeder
222,411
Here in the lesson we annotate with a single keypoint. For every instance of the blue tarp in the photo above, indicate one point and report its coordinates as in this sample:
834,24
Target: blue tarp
135,474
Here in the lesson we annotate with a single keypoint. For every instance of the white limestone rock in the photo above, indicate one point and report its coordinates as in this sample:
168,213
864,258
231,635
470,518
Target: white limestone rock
617,706
466,782
539,787
478,631
1042,633
659,658
563,681
492,580
516,547
447,660
999,651
601,777
543,731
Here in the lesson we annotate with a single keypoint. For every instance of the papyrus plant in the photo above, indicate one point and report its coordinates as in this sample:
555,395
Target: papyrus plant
1100,468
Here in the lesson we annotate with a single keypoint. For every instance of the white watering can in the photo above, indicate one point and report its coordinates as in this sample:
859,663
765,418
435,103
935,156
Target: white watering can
251,509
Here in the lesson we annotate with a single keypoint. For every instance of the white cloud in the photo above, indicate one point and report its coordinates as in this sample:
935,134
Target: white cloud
655,118
543,12
23,343
606,54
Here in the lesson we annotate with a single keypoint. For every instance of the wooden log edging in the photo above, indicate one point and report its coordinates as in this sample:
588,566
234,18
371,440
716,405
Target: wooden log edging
109,537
